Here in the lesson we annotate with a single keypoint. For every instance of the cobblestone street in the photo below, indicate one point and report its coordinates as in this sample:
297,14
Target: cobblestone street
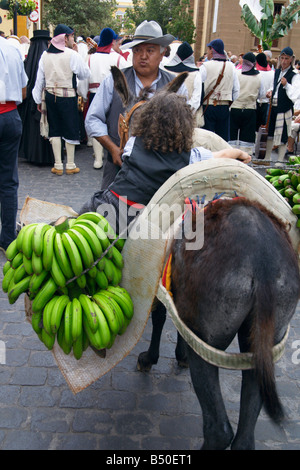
125,409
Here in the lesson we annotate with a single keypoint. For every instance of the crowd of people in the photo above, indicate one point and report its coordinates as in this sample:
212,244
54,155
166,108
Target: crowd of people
64,95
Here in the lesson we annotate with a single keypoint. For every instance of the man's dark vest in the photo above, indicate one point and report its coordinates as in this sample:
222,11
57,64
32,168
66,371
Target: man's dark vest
144,171
283,102
116,107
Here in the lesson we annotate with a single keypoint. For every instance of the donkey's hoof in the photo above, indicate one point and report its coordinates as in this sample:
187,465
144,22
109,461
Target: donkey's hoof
144,364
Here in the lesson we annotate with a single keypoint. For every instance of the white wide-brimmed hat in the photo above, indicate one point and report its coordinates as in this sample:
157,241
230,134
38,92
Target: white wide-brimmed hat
149,32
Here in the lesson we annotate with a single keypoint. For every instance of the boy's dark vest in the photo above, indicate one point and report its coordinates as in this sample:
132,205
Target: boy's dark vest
283,102
144,171
116,107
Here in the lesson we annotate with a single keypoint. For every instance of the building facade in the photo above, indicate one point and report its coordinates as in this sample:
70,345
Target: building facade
222,19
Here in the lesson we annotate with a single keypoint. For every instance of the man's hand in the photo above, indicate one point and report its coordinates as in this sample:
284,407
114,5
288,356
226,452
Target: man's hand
116,156
112,148
283,81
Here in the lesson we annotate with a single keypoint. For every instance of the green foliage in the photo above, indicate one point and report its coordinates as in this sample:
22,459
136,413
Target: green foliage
87,17
269,27
174,16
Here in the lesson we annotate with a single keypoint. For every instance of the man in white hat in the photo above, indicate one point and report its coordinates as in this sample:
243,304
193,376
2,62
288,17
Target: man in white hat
148,46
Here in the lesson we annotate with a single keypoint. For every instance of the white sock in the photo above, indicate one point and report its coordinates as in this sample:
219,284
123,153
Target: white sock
70,149
56,147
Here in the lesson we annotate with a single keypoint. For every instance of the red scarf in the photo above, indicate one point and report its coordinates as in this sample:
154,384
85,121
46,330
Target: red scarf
104,49
265,69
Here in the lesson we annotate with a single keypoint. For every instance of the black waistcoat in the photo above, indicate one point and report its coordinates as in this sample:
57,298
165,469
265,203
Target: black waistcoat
283,103
144,171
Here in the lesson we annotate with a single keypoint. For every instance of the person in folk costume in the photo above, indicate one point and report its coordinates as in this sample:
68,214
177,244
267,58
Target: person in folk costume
57,68
267,77
13,81
217,106
284,93
34,148
243,109
148,46
184,61
100,63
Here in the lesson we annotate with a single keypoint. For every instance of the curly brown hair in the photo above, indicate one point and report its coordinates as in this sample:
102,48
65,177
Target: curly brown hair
165,123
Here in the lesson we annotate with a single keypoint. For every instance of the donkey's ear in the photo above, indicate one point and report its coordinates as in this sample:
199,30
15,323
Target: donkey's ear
121,85
176,83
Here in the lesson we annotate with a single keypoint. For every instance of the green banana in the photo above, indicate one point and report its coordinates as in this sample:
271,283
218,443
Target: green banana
81,281
37,322
8,265
48,248
62,257
110,315
83,247
91,285
85,340
88,310
37,281
57,273
20,273
18,289
37,263
57,312
93,216
20,238
103,326
124,301
27,241
94,338
27,265
48,339
9,275
76,319
78,346
44,295
37,240
101,263
11,250
91,238
101,279
105,243
112,272
47,313
68,324
115,306
61,340
107,228
73,253
117,258
17,261
92,272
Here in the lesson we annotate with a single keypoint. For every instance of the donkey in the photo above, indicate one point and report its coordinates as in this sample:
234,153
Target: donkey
244,281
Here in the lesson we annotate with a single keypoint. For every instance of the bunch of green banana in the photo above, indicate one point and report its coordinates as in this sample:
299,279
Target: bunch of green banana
71,273
287,183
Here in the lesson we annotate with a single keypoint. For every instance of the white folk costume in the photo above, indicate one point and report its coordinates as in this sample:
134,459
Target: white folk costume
221,88
243,110
58,68
99,64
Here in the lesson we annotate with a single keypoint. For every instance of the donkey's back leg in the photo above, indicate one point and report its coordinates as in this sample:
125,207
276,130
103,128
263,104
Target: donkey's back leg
148,358
217,430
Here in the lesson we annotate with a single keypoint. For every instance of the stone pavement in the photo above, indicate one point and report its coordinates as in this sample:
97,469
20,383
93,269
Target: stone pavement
125,409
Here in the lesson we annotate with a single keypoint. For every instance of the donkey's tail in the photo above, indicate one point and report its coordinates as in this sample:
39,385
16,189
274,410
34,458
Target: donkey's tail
262,342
